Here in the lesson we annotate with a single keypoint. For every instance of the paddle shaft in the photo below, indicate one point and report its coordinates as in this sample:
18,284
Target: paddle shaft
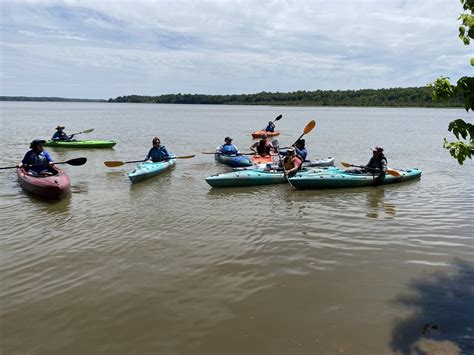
86,131
74,162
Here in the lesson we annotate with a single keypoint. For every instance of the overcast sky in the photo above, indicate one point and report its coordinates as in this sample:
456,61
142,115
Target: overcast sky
102,49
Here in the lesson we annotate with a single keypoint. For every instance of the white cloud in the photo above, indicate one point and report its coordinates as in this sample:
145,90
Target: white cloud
227,46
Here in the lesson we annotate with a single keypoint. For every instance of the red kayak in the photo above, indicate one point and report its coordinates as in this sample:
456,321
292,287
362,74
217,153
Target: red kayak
259,159
52,187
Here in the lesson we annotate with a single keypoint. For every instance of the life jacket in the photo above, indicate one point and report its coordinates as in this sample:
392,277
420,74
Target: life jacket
228,149
39,160
263,149
290,162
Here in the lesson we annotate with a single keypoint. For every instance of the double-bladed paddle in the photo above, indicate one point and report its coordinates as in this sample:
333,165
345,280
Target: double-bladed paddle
117,163
277,118
388,171
86,131
73,162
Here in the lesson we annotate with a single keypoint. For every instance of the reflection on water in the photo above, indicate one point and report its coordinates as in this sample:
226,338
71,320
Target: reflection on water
377,204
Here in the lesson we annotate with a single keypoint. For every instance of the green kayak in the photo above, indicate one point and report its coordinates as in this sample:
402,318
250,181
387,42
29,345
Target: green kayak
333,178
80,144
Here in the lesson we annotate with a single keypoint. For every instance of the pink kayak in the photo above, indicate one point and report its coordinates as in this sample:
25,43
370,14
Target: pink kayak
53,187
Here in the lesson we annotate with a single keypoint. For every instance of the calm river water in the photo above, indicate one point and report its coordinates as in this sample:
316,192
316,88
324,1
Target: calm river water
171,266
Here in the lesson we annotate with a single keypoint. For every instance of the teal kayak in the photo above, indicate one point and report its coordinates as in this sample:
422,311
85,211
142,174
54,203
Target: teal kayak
251,177
233,160
80,144
333,178
148,170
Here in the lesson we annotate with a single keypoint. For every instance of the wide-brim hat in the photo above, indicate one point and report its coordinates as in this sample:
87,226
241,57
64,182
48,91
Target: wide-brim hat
59,126
36,142
377,149
228,139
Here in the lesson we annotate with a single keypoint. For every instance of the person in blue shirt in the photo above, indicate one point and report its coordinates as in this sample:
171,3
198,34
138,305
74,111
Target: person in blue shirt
158,152
270,127
60,135
300,149
37,160
228,148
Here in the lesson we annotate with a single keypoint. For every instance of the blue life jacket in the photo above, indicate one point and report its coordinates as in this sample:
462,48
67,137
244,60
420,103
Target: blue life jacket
270,128
41,161
303,153
61,136
228,149
158,154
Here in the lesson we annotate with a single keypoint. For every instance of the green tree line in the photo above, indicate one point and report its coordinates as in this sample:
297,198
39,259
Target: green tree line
394,97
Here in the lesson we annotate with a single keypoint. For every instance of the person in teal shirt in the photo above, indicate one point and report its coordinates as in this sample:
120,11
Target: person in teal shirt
158,152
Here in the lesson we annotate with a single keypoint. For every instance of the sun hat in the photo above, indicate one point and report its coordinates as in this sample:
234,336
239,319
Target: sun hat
377,149
36,142
228,139
59,126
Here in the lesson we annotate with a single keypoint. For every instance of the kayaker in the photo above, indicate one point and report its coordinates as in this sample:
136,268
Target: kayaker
263,147
292,162
377,164
37,160
60,135
270,127
228,148
300,149
158,152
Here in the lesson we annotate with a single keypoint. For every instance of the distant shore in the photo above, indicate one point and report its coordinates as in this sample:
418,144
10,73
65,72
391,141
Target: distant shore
392,97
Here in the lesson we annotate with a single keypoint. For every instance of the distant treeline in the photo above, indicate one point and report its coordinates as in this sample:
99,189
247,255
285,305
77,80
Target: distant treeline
395,97
51,99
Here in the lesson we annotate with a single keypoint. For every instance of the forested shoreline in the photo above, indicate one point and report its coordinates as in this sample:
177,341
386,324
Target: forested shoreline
394,97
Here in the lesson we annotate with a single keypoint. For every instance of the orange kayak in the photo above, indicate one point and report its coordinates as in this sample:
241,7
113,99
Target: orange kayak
258,159
259,134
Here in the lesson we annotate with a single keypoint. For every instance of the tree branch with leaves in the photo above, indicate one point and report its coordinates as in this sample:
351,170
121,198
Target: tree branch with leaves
442,89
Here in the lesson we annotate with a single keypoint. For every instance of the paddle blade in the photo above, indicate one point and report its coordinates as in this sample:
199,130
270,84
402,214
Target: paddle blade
113,163
88,130
77,161
392,172
309,127
278,118
347,165
208,152
185,157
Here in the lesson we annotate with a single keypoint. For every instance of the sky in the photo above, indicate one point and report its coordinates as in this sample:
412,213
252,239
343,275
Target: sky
103,48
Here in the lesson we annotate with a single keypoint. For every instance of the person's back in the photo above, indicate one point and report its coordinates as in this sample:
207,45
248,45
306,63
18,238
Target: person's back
270,127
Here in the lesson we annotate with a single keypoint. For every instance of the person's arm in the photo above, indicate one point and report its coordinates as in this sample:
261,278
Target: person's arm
26,159
253,147
165,153
236,150
384,165
48,158
148,157
273,148
297,163
55,136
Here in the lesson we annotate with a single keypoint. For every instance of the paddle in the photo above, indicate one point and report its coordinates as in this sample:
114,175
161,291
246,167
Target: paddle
308,128
116,163
246,153
86,131
277,118
388,171
73,162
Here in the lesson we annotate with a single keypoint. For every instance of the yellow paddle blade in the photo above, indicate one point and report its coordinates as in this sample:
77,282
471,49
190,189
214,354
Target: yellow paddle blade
185,157
113,163
347,165
309,127
392,172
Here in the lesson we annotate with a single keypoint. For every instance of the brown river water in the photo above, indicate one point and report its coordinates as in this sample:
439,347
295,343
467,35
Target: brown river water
171,266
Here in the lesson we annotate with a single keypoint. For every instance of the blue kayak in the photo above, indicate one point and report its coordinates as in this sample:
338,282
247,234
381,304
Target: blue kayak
148,170
234,161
